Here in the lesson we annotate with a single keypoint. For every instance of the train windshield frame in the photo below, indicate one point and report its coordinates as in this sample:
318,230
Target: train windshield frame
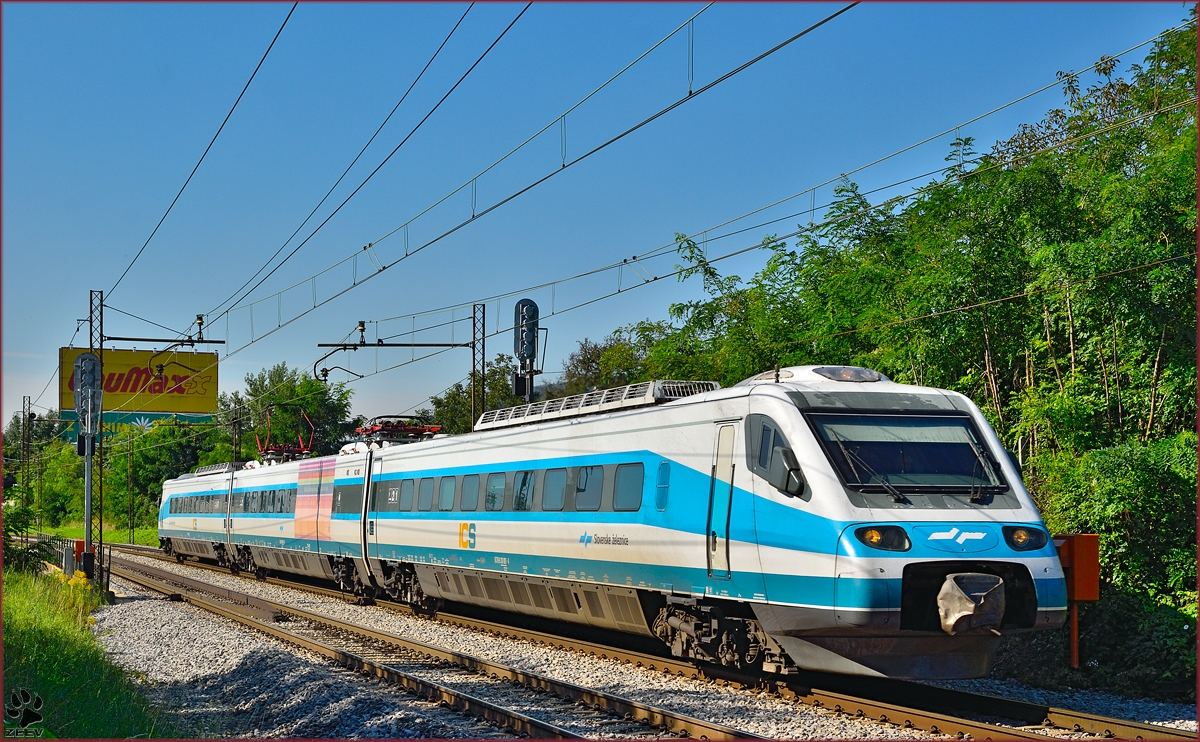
877,451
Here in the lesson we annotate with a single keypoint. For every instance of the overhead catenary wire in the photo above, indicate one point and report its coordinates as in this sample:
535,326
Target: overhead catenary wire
958,175
111,308
352,162
598,148
810,190
665,249
206,150
561,118
390,154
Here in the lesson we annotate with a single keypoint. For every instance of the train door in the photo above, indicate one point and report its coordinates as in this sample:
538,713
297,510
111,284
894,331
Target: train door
372,467
720,501
229,510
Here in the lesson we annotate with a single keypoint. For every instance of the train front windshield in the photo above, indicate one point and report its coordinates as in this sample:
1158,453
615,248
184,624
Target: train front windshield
908,452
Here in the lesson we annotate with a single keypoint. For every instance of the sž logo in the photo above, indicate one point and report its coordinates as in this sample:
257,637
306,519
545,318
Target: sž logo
466,535
585,539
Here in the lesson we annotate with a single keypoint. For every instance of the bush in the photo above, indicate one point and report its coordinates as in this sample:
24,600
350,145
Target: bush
18,519
1141,499
1140,637
1124,647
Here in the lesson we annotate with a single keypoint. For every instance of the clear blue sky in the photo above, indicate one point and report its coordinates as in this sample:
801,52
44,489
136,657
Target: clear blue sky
107,107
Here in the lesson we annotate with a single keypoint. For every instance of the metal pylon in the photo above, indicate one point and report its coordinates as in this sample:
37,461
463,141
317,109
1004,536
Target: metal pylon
96,345
478,358
26,437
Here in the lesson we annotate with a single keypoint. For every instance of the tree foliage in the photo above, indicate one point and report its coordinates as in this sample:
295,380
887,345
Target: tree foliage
452,408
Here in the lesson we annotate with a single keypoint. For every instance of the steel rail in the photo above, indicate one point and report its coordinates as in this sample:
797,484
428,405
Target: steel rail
428,690
886,697
674,723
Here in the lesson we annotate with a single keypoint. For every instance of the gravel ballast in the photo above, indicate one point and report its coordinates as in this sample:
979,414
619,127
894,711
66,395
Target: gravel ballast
1178,715
215,678
758,714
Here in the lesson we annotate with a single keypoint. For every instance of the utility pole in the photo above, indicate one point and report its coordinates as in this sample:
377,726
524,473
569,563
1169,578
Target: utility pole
129,491
39,490
95,515
236,433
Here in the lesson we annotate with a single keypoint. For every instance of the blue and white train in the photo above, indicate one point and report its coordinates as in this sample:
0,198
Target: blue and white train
823,518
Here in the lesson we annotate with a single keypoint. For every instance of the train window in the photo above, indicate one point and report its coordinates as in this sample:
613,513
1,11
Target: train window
270,501
446,494
523,490
627,490
470,493
347,498
588,486
763,436
662,486
554,487
406,496
764,447
494,499
425,495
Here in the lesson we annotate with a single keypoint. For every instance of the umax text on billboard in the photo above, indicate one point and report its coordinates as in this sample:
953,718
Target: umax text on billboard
132,382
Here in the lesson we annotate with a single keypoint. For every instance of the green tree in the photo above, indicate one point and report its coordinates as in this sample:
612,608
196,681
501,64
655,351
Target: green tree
283,393
452,408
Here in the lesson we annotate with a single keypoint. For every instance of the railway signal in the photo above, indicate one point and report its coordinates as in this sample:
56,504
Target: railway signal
525,347
89,397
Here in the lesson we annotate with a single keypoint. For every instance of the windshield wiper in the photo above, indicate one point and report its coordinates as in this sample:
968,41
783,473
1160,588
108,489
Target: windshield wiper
897,495
985,467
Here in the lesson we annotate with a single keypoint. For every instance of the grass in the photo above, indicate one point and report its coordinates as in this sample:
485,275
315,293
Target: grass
49,650
147,536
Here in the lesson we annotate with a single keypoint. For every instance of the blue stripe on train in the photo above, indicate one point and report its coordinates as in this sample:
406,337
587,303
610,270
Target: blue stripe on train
778,525
822,592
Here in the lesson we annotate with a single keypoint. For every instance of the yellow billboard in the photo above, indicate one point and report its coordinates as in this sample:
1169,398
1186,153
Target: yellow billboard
147,380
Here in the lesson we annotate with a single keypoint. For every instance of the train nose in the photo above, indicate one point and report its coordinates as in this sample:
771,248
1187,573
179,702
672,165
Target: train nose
971,601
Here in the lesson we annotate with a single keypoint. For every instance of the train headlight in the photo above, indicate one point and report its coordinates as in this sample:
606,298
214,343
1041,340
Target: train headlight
889,538
1024,538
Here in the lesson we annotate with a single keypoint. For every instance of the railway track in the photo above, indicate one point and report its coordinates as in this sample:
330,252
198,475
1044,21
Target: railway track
906,703
515,699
